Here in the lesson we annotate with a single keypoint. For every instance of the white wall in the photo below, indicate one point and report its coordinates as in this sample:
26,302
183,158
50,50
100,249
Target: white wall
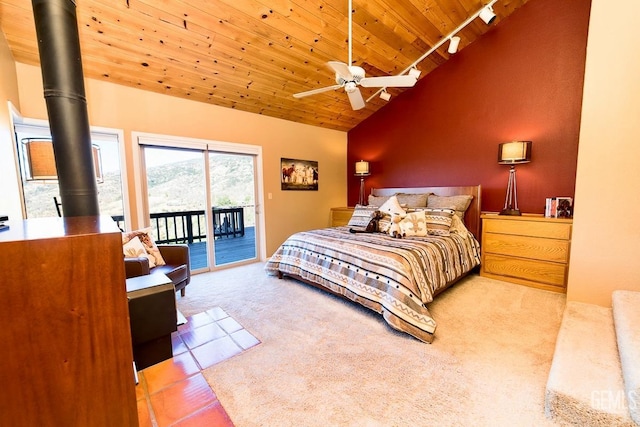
606,231
9,183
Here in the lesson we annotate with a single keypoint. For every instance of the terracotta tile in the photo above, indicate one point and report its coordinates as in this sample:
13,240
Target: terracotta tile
244,339
141,387
213,415
195,321
201,335
170,371
177,344
144,416
217,313
215,352
181,399
229,325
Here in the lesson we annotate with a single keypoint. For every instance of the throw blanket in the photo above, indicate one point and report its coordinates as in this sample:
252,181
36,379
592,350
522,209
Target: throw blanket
394,277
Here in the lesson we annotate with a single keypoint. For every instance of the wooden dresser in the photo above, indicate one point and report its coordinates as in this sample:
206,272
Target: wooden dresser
529,250
68,359
340,216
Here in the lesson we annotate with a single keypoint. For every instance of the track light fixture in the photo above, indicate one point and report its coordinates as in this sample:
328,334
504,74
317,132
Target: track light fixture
414,72
385,95
487,15
453,44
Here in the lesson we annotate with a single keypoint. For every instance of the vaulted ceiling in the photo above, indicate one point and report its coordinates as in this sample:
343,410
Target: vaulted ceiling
253,55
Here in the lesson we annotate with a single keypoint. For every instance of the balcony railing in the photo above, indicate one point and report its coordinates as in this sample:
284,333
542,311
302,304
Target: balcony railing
190,226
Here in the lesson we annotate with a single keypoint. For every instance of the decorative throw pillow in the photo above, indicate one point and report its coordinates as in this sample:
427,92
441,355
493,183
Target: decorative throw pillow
439,221
458,227
414,224
459,203
135,249
362,215
377,200
147,240
392,206
412,200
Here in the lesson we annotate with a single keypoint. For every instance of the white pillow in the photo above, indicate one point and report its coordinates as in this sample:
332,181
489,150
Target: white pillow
134,249
391,207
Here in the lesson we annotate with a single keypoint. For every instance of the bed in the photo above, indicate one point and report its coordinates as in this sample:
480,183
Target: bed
394,277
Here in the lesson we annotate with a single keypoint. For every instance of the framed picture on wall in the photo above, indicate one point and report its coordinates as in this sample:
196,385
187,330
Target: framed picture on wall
298,174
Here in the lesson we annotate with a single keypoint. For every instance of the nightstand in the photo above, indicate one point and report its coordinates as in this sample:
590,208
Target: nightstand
529,250
340,216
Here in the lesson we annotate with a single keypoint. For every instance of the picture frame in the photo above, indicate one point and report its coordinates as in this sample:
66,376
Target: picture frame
298,175
564,207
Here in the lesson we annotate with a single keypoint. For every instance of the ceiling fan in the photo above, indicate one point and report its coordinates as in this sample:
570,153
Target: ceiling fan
350,77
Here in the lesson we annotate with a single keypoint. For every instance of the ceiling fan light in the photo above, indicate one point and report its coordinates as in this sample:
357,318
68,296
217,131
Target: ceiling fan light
487,15
453,44
414,72
385,95
349,87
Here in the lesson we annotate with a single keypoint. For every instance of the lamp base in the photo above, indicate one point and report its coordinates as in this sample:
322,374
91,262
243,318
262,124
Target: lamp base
510,212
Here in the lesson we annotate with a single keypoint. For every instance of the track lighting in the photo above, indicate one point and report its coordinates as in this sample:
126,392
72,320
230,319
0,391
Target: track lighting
385,95
414,72
453,44
487,15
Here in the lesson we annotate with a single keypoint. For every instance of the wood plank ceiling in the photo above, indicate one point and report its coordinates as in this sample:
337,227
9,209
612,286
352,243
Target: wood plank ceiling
253,55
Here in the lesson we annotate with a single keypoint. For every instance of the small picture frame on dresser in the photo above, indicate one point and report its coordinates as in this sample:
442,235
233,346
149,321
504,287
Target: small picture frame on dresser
564,207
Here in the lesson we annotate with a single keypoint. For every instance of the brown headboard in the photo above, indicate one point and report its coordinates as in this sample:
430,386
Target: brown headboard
471,217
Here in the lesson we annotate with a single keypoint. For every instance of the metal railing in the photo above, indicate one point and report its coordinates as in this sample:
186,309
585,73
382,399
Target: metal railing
191,226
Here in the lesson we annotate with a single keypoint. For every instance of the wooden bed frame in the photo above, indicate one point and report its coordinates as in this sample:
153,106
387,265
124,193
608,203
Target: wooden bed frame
471,217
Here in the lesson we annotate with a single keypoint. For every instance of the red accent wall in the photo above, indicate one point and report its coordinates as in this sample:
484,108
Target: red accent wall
522,80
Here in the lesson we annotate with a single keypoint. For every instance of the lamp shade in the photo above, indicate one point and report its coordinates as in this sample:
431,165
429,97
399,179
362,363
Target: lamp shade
510,153
41,162
362,168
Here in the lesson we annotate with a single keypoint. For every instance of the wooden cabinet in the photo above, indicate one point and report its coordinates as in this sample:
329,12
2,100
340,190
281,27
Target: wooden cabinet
340,216
529,250
67,358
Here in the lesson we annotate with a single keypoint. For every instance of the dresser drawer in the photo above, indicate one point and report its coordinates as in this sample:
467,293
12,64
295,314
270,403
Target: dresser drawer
535,271
552,230
528,247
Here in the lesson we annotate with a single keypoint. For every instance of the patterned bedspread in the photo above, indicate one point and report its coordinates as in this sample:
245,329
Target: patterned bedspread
394,277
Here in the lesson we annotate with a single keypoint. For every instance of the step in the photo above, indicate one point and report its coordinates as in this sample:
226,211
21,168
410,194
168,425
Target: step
585,384
626,316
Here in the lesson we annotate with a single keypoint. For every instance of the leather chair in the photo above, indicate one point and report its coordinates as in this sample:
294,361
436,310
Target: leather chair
177,268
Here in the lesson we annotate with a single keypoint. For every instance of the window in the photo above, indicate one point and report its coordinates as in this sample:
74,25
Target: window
41,197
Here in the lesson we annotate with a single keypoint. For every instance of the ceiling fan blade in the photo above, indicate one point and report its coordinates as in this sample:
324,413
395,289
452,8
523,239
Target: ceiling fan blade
388,81
341,69
356,99
315,91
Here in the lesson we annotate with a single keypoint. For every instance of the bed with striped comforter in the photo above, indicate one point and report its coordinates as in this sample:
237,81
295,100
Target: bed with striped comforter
394,277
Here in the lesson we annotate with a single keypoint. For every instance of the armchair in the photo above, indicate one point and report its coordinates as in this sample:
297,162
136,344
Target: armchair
177,268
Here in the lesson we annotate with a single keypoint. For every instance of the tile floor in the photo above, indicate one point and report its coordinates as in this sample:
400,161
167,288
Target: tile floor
174,392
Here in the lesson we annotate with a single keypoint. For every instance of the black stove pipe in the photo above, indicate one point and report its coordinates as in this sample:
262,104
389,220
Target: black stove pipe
63,80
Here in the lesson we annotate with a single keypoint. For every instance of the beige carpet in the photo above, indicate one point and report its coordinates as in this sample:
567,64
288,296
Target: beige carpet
324,361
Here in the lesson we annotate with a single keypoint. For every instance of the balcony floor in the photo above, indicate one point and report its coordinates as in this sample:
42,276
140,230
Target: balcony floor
227,249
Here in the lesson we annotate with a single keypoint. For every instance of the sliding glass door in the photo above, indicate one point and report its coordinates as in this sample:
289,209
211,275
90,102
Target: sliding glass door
203,198
232,189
